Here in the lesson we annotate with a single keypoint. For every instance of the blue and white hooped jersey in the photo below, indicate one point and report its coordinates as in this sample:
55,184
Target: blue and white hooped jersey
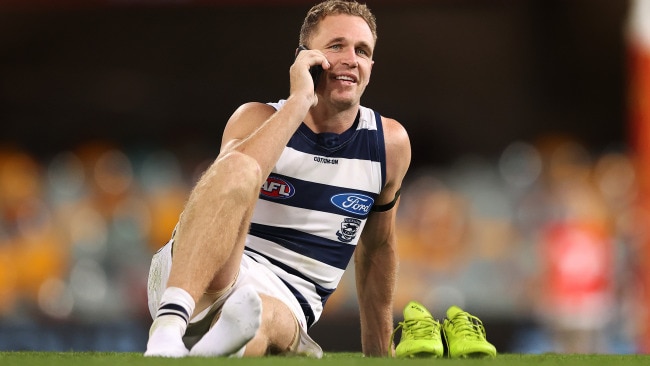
314,205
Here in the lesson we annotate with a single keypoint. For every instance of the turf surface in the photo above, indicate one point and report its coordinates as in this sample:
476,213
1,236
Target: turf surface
333,359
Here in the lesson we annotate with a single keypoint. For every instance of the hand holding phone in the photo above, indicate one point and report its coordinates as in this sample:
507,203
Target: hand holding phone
315,70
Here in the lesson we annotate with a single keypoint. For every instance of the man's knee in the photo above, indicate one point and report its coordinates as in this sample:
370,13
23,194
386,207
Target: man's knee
236,173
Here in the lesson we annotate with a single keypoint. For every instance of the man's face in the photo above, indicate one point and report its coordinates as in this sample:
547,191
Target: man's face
348,44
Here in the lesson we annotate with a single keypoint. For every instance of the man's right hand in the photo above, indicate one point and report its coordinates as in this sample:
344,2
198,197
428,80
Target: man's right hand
300,78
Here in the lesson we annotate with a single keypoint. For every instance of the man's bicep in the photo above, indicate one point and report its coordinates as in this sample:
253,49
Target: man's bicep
379,229
398,159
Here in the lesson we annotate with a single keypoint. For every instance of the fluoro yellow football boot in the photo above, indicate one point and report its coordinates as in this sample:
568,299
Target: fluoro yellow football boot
420,333
465,335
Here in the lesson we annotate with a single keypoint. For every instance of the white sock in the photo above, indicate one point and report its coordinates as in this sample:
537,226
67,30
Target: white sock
167,330
176,302
240,319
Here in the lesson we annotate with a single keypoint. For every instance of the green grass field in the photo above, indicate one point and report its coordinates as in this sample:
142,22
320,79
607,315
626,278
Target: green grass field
330,359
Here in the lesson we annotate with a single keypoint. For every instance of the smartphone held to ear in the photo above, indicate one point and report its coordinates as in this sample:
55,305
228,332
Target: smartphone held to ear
315,71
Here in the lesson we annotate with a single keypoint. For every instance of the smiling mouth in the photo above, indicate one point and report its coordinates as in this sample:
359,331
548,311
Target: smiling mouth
345,78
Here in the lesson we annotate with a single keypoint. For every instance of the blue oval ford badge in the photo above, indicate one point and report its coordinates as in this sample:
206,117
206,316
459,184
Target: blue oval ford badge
358,204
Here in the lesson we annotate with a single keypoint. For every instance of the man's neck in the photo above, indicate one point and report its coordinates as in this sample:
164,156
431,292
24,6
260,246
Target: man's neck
325,119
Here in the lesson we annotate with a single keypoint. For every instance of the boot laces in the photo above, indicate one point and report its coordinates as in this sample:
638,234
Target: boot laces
468,326
415,329
419,328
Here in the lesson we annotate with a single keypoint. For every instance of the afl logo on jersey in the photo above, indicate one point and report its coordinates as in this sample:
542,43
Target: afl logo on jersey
355,203
277,188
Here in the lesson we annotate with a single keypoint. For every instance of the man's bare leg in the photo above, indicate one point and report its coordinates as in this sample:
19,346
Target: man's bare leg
208,246
278,331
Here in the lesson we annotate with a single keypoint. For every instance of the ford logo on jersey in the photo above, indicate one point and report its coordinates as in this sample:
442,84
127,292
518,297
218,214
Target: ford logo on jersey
355,203
277,188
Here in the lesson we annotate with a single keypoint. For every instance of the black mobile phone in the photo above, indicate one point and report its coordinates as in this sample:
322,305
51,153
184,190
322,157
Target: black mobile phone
315,71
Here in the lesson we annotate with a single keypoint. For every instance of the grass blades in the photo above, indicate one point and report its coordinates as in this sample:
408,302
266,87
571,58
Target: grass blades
330,359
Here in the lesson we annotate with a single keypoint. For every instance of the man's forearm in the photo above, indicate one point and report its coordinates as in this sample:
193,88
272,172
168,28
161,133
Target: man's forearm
376,277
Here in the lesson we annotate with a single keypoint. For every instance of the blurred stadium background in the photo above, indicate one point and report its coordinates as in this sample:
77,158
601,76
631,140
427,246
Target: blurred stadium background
526,203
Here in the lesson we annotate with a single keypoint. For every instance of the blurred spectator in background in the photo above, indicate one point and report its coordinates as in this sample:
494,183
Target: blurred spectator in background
433,231
576,295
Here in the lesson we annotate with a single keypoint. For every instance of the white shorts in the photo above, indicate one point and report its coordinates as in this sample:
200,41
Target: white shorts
250,273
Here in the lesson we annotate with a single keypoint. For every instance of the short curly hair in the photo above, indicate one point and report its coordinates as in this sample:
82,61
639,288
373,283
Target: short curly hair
335,7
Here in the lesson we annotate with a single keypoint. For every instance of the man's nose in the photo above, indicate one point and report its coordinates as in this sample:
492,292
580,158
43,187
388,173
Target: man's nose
350,57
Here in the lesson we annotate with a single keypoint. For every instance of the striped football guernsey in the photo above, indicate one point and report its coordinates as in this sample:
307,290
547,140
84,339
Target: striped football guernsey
314,205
